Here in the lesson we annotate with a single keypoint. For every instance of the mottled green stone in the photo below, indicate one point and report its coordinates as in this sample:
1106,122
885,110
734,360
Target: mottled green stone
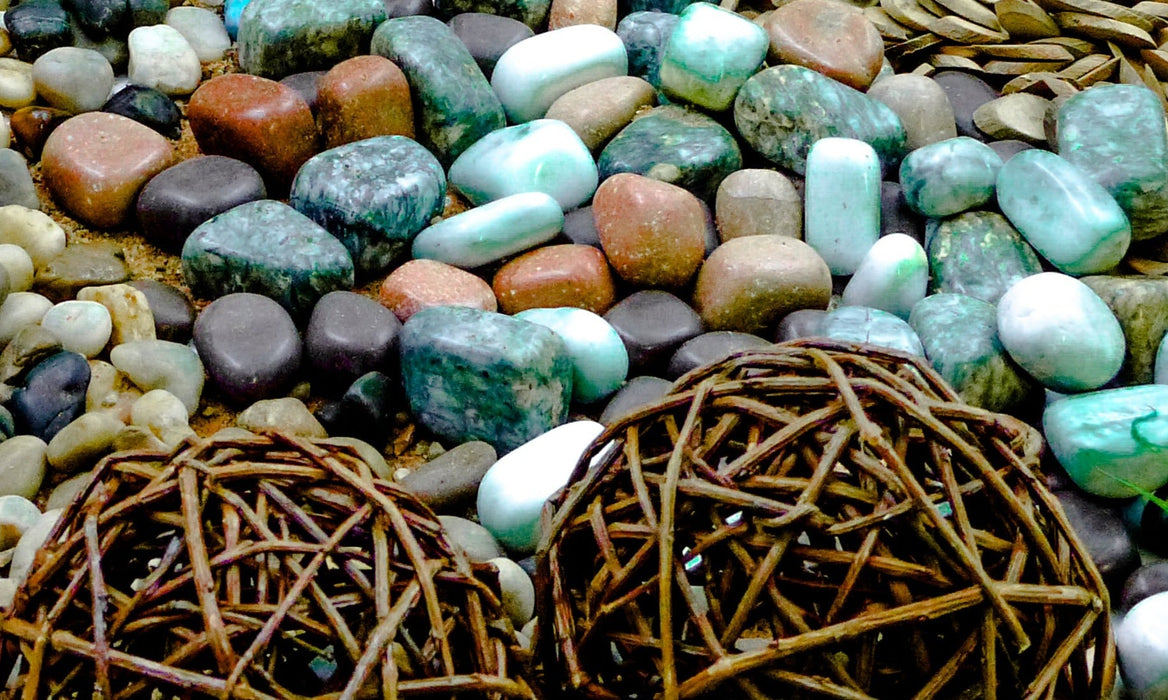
1116,134
478,375
675,145
960,337
374,195
861,324
281,37
533,13
645,35
454,105
266,247
782,111
710,53
979,254
949,177
674,7
1141,305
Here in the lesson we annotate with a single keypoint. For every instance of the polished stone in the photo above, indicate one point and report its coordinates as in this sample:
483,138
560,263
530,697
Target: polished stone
203,30
491,232
147,106
363,97
488,36
862,324
980,254
37,27
32,126
892,277
173,312
711,347
754,202
645,34
709,55
1101,531
280,37
949,177
637,393
129,310
653,324
600,362
451,480
162,364
16,183
922,105
82,265
349,335
52,395
966,92
842,202
420,284
598,110
75,80
553,276
833,38
161,58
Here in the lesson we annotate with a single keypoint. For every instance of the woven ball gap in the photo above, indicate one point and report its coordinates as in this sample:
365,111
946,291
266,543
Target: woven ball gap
818,521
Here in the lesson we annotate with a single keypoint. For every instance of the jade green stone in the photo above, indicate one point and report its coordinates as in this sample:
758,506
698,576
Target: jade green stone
675,145
491,232
281,37
533,13
479,375
645,35
860,324
781,111
1116,134
949,177
979,254
600,362
1140,303
709,55
1068,217
1105,438
674,7
960,337
267,248
454,105
544,155
374,195
841,208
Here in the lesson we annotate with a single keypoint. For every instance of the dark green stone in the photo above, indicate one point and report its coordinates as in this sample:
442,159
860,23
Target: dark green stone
281,37
979,254
782,111
38,26
147,106
267,248
645,35
1141,305
960,336
454,105
101,18
146,13
478,375
374,195
676,145
533,13
674,7
1116,134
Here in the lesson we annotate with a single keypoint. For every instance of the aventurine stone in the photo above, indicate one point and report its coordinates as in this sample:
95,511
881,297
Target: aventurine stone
1140,303
473,374
645,34
979,254
279,37
842,202
491,232
600,362
949,177
892,277
710,53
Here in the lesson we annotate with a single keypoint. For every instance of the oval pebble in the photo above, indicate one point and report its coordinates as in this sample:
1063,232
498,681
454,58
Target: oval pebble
517,588
79,445
17,515
475,541
83,327
22,465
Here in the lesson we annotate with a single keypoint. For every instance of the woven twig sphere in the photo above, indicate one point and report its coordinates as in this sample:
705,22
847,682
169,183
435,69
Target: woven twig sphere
820,520
257,568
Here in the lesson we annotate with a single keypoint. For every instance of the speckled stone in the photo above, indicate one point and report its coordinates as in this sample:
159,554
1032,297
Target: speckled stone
129,311
349,335
279,37
710,53
363,97
596,111
567,13
922,105
979,254
249,345
420,284
553,276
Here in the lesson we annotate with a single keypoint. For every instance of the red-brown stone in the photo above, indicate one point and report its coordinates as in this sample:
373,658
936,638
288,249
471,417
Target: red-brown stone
420,284
363,97
553,276
31,127
827,36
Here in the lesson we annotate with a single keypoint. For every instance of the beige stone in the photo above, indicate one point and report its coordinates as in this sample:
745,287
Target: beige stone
129,311
598,110
755,202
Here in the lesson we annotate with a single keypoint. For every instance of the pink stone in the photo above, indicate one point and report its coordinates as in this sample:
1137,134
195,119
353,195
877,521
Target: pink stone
420,284
827,36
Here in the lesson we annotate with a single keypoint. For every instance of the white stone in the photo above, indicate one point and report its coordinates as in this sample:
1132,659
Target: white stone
73,79
161,58
21,309
892,277
5,132
17,515
1141,642
22,465
8,589
32,541
16,262
41,237
202,29
841,202
162,364
82,326
513,491
16,85
164,415
474,540
518,591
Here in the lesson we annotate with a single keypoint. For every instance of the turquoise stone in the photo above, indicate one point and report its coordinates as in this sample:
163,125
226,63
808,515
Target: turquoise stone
675,145
530,75
782,111
281,37
645,35
1116,134
674,7
979,254
544,155
841,202
1068,217
709,55
491,232
267,248
600,362
454,105
533,13
949,177
479,375
1140,304
960,337
374,195
232,11
1105,438
860,324
892,277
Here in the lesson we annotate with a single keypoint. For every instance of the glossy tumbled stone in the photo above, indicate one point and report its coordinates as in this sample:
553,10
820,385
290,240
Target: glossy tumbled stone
841,218
488,36
949,177
861,324
147,106
600,109
645,34
1140,304
349,335
892,277
833,38
653,324
600,362
420,284
280,37
980,254
710,53
363,97
249,346
491,232
553,276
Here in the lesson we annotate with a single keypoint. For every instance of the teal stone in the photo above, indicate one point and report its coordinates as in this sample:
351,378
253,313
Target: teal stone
979,254
841,202
782,111
949,177
675,145
600,362
544,155
960,337
533,13
532,74
674,7
860,324
266,247
1068,217
491,232
1140,304
232,12
281,37
1106,438
479,375
1116,134
454,105
709,55
374,195
645,35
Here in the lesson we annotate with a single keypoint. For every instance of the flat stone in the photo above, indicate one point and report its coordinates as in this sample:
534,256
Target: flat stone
96,163
420,284
53,395
979,254
73,79
833,38
249,346
202,29
637,393
922,105
22,466
598,110
162,364
173,312
709,55
532,13
161,58
949,177
37,27
129,310
148,106
1140,304
1016,116
31,127
892,277
600,362
82,265
16,185
79,445
280,37
364,97
711,347
553,276
286,414
569,13
753,202
450,481
83,327
491,232
966,94
349,335
645,34
653,324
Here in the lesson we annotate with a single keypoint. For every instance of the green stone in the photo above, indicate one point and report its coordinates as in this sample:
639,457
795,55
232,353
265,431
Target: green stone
675,145
841,219
533,13
267,248
645,35
374,195
454,105
1141,305
782,111
1116,134
674,7
949,177
1106,438
600,362
478,375
860,324
709,55
491,232
281,37
979,254
960,337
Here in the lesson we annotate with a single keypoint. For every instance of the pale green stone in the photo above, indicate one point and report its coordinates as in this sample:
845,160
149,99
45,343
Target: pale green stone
841,218
709,55
892,277
860,324
1160,370
949,177
600,361
492,232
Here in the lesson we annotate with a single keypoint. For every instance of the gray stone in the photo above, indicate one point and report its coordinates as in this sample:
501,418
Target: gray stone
476,541
16,185
451,480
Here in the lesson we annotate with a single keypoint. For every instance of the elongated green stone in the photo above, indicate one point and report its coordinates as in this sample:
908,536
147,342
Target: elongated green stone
949,177
491,232
979,254
841,218
709,55
281,37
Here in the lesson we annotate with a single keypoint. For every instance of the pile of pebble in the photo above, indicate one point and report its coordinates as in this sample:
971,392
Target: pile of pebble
563,206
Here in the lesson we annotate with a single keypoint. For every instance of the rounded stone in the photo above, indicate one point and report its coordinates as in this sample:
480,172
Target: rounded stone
637,393
755,202
22,465
711,347
863,324
518,590
557,275
83,442
286,414
475,541
653,323
82,326
173,312
32,126
451,479
420,284
1140,641
163,415
249,346
202,29
922,105
17,515
349,335
600,362
73,79
892,277
18,267
147,106
162,58
162,364
21,309
596,111
833,38
949,177
17,89
363,97
1146,581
